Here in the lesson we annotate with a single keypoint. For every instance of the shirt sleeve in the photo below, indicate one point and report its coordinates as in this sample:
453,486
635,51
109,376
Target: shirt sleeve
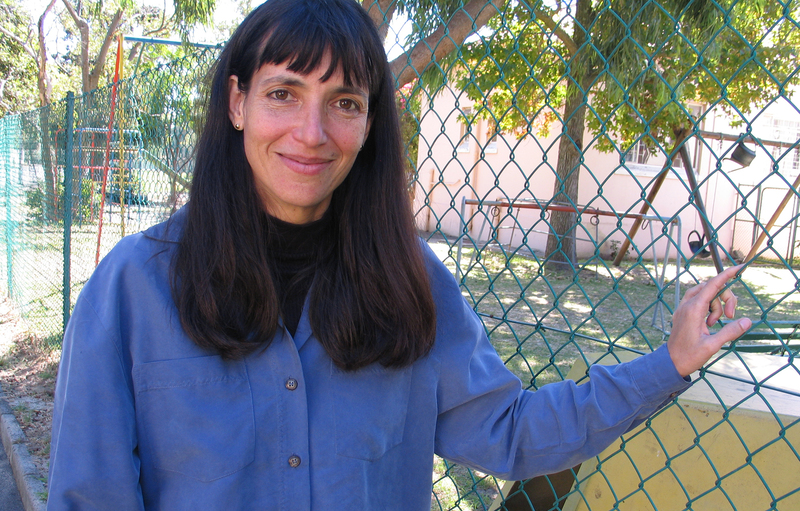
93,459
488,422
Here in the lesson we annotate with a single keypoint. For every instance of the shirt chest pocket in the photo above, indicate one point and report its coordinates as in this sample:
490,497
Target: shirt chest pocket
370,407
194,416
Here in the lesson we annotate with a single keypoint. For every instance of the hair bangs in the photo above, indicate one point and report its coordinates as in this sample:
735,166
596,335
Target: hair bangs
303,37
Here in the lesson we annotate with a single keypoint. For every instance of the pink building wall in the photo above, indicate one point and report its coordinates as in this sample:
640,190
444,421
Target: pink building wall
524,169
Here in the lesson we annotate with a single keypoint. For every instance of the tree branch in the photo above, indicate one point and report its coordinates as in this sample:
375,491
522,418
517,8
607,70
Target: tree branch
134,51
43,81
381,13
25,46
444,40
83,28
163,20
550,23
100,61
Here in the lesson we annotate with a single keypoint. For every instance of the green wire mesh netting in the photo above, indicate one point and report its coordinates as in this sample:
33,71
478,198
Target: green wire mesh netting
70,195
578,165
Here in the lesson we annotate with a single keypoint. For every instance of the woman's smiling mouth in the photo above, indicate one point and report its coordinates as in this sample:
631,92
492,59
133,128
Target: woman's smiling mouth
304,165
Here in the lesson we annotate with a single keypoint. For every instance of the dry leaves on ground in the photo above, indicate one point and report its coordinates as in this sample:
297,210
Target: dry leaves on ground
28,375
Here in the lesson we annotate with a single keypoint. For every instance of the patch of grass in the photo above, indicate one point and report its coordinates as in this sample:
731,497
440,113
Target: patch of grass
23,414
38,263
540,322
457,487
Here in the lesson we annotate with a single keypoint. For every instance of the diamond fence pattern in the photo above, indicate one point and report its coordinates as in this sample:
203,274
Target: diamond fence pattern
578,165
71,194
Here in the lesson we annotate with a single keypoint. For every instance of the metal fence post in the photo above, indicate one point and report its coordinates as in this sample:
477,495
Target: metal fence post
68,204
9,228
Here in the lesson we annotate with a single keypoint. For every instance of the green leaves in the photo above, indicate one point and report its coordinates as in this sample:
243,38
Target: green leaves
644,62
17,67
192,12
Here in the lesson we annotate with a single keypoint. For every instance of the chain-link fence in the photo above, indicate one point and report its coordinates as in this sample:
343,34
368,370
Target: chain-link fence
80,174
578,165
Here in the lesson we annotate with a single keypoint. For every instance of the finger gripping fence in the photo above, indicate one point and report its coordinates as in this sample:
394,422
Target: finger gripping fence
577,165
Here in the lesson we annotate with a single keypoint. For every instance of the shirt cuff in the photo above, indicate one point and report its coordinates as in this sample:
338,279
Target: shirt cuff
656,377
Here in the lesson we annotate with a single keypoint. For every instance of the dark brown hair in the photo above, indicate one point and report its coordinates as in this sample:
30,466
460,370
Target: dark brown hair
370,300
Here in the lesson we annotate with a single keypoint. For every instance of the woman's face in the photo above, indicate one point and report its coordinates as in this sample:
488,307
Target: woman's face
301,136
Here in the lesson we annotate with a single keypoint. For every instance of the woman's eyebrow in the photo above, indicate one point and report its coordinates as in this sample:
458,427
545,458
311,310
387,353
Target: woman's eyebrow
283,80
355,91
293,81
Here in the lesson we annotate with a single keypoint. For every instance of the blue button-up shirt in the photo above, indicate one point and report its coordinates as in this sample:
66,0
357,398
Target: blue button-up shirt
145,419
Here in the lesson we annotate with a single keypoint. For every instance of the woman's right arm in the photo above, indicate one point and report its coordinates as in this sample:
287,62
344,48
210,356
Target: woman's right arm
94,463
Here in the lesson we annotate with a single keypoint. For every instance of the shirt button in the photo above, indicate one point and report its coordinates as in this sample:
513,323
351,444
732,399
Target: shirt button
294,461
291,384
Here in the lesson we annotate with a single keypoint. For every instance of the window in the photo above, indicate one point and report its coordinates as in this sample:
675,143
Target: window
677,161
465,121
788,160
641,161
795,161
491,142
638,153
784,129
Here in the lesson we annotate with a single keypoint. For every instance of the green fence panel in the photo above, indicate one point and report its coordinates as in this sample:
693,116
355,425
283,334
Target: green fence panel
577,165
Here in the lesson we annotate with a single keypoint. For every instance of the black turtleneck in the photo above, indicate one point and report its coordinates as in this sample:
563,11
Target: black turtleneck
294,250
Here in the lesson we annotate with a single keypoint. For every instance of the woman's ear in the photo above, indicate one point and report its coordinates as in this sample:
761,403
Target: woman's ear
235,102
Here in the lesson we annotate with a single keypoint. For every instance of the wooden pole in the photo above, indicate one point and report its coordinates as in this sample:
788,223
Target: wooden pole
698,203
651,196
108,155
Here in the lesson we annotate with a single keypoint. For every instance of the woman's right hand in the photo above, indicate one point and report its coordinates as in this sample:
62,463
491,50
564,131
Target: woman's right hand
691,344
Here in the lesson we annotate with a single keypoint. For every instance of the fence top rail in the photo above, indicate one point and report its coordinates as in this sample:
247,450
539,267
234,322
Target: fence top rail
569,209
170,42
744,137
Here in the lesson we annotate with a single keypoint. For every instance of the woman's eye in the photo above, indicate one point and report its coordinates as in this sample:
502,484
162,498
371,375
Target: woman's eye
348,104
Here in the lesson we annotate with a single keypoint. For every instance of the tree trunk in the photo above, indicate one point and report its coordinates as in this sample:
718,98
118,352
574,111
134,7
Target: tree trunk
50,192
90,78
93,77
560,254
43,80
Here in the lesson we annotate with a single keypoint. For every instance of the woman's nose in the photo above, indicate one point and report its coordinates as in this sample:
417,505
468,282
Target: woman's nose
311,127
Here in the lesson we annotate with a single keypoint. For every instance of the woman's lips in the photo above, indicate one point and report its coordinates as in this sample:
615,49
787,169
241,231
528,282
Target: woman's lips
305,165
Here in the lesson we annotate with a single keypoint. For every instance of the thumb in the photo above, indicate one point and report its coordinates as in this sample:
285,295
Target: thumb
731,331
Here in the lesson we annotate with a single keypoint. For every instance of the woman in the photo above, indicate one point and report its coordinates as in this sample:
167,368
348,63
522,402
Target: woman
286,342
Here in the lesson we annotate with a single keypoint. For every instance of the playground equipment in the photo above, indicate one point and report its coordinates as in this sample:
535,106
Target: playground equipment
742,155
696,243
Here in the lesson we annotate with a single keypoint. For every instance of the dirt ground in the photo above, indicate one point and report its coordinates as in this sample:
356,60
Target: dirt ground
28,376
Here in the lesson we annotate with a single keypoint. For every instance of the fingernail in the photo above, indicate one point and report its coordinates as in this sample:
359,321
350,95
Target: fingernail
745,323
